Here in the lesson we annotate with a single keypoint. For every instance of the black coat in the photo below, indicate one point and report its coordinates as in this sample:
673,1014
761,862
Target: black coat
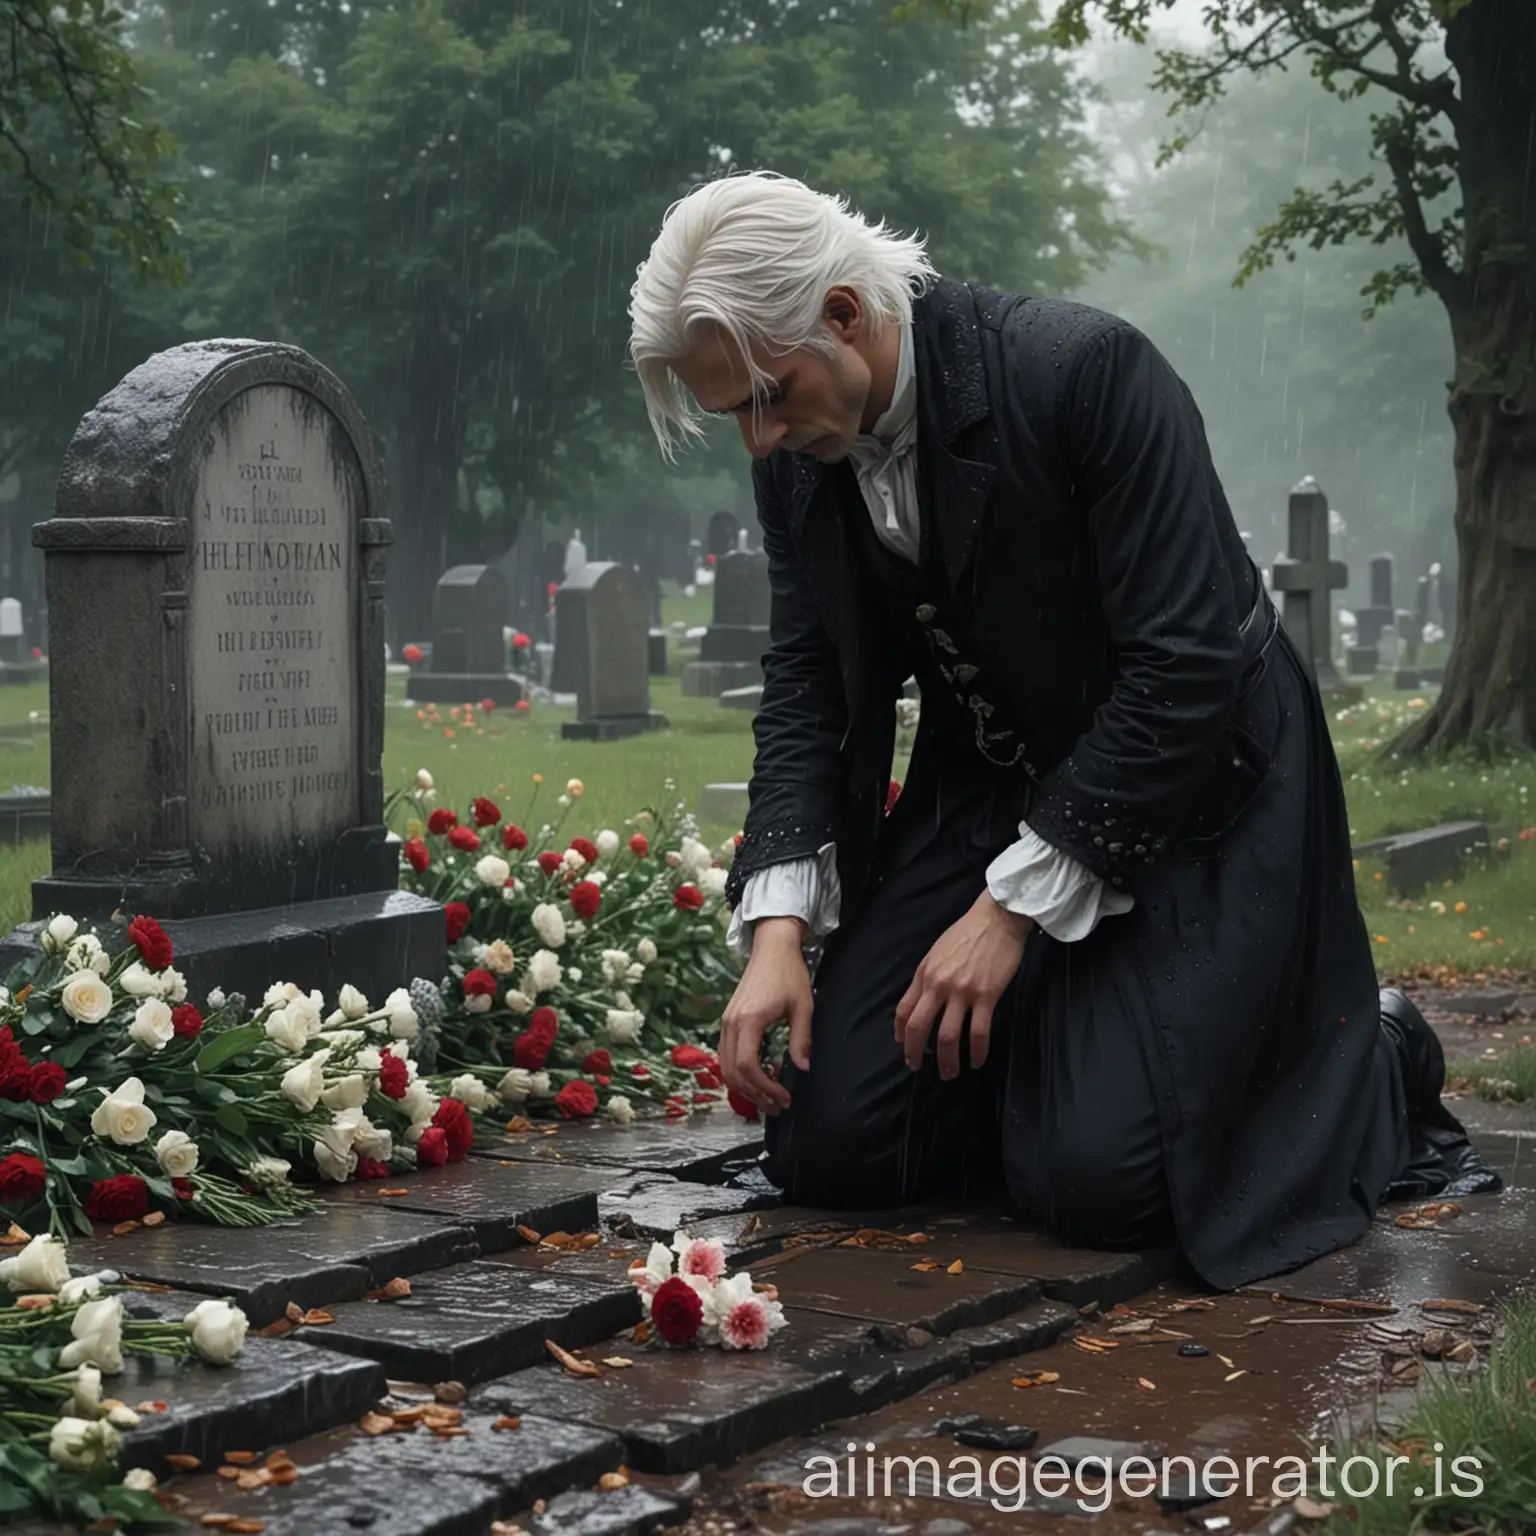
1092,564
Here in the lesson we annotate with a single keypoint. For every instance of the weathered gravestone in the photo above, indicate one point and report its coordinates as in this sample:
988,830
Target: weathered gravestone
1308,577
602,651
469,648
1374,620
215,579
720,534
730,654
16,664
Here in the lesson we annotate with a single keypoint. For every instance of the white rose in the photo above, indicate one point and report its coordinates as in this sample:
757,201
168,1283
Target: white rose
217,1329
549,924
519,1002
615,965
539,1086
138,981
280,992
369,1059
543,972
269,1172
305,1013
620,1109
498,958
140,1479
98,1337
492,870
173,985
420,1103
607,842
176,1153
87,998
373,1141
352,1002
403,1023
424,779
287,1032
304,1082
123,1116
216,998
516,1085
59,932
41,1266
85,1287
152,1027
646,950
86,1400
347,1092
712,882
469,1090
334,1155
340,1037
624,1026
86,954
82,1445
695,856
573,860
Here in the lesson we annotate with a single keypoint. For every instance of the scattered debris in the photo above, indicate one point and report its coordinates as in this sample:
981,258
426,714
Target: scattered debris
396,1290
1426,1216
450,1392
576,1366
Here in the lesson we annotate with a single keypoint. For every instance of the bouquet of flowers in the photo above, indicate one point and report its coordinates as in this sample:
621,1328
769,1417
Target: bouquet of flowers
60,1337
575,963
689,1297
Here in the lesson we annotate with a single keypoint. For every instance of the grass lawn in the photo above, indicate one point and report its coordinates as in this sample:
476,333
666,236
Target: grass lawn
1487,919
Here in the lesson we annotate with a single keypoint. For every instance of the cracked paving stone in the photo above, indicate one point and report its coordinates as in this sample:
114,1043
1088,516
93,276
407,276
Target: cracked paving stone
627,1511
659,1207
335,1255
695,1148
478,1320
492,1198
1080,1448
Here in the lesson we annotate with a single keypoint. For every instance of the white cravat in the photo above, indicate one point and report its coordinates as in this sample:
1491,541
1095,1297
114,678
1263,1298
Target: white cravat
1030,876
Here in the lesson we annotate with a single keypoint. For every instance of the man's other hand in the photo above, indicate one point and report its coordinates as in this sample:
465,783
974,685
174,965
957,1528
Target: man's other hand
775,986
967,971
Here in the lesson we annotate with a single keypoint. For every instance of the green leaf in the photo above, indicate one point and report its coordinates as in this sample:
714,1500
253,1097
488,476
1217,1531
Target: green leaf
69,1054
229,1045
228,1118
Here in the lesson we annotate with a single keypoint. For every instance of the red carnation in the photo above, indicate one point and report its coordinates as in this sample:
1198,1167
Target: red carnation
892,794
522,706
486,812
638,845
544,1024
576,1100
479,983
124,1198
640,1069
530,1051
599,1063
688,898
709,1078
412,653
432,1149
186,1022
677,1310
586,848
416,854
456,916
371,1168
465,839
10,1052
154,946
513,838
452,1119
22,1180
45,1082
440,820
486,706
586,898
185,1188
520,641
690,1057
394,1076
741,1104
549,861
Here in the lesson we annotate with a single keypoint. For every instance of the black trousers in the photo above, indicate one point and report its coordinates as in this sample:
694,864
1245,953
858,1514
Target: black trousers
1062,1115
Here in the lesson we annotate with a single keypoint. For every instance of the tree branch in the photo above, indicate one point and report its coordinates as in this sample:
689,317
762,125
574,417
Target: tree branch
1425,245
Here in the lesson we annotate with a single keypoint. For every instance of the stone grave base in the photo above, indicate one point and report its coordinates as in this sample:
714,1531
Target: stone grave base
749,698
1432,674
1408,678
612,727
709,679
724,802
656,652
1362,660
24,817
377,942
503,689
1414,860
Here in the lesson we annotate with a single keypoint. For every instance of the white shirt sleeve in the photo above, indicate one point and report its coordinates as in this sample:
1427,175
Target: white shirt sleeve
1065,898
803,888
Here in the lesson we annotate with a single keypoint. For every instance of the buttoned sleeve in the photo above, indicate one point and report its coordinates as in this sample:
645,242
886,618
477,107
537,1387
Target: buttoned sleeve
803,888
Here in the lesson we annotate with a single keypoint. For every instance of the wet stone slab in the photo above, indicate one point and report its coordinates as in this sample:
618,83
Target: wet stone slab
474,1321
658,1207
696,1148
490,1197
334,1255
628,1511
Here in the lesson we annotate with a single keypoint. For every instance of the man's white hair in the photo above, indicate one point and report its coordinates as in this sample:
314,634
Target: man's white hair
756,254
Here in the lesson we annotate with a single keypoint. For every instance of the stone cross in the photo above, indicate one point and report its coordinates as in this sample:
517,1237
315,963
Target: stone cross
1307,577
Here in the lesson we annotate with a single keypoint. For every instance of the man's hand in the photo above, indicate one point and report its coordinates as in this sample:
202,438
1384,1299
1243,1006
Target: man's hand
775,986
967,970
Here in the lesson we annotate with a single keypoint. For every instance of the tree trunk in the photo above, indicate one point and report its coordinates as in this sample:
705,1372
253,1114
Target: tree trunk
1490,680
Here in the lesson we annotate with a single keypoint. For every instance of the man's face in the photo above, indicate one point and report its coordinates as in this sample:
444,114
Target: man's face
815,404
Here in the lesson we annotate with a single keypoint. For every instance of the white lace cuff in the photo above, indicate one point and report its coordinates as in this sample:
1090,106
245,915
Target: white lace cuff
803,888
1065,898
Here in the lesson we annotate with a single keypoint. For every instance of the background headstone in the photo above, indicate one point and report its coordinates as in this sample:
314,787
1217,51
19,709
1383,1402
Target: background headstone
720,534
1380,611
730,654
215,578
13,636
469,646
1308,578
602,651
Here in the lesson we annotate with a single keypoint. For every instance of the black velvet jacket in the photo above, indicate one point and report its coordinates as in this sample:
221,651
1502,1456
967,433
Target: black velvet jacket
1087,557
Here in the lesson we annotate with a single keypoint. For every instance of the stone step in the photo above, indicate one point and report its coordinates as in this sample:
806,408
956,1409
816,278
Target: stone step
656,1205
694,1147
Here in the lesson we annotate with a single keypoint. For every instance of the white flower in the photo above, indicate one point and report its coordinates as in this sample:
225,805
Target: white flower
139,981
86,997
217,1329
176,1153
41,1266
333,1151
694,856
269,1172
280,992
624,1026
657,1269
493,870
498,958
615,965
510,889
726,853
543,972
402,1049
173,985
287,1032
348,1092
82,1445
59,932
84,1287
121,1416
607,842
573,974
339,1037
478,1002
712,882
369,1060
598,878
424,779
539,1086
403,1023
519,1002
702,1256
304,1082
123,1116
98,1337
741,1317
420,1103
549,924
636,972
140,1479
152,1027
622,1000
573,860
216,998
305,1013
352,1002
516,1085
86,1400
86,954
470,1091
372,1140
620,1109
674,858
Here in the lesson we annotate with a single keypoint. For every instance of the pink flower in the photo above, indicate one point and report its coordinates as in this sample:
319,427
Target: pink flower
701,1256
744,1318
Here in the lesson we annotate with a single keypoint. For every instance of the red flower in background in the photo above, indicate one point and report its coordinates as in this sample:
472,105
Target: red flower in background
479,983
371,1168
456,917
691,1057
677,1309
586,848
707,1077
586,898
186,1022
465,839
45,1082
638,845
576,1100
741,1104
549,861
440,820
552,588
688,898
486,812
153,944
522,706
394,1076
513,838
487,705
892,795
544,1024
416,854
412,654
599,1063
520,641
22,1180
530,1051
452,1119
432,1149
124,1198
185,1188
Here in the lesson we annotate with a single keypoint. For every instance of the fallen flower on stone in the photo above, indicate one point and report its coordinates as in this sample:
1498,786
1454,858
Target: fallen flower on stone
688,1297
